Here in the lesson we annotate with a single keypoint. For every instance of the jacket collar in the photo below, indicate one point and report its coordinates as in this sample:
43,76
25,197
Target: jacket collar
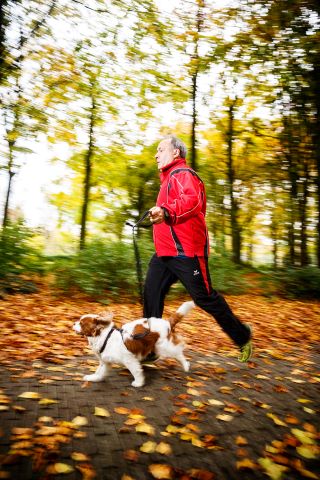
177,162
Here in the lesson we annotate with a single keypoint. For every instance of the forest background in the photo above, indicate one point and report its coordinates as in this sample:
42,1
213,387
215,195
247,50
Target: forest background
87,90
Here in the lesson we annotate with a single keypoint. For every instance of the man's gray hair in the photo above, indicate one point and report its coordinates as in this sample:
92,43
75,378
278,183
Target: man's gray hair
177,143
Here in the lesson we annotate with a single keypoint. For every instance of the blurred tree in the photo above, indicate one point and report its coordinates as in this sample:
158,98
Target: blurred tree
283,36
22,118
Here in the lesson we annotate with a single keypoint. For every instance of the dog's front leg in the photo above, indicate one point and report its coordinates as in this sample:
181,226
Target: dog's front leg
99,375
136,370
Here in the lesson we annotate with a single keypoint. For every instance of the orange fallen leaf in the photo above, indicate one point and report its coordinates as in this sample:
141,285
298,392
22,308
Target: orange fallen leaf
241,441
131,455
161,471
246,463
87,471
122,410
201,474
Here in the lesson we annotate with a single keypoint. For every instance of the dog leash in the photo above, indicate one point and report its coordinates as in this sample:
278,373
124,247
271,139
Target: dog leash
134,226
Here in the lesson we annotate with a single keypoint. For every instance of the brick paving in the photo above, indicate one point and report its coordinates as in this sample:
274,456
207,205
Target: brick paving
286,388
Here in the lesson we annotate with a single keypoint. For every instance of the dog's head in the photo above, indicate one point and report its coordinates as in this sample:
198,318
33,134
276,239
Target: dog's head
91,325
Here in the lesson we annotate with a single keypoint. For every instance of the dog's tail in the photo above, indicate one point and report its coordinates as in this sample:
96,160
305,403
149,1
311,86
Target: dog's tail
182,311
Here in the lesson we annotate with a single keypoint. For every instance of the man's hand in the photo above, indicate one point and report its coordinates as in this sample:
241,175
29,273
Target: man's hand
156,215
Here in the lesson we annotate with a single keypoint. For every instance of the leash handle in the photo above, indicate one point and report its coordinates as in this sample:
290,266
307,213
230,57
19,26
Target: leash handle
140,220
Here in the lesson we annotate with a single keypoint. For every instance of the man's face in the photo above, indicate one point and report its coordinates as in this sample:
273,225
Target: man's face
166,153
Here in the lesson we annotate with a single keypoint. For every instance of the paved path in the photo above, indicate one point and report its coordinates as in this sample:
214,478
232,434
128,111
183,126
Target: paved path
206,421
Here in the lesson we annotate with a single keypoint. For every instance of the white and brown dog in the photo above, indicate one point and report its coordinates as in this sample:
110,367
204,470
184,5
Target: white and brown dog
132,343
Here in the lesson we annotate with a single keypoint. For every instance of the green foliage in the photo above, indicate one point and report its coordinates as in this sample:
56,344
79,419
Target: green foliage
18,258
298,282
102,270
226,276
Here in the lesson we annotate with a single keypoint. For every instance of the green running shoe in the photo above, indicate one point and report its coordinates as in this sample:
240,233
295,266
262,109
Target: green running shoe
247,349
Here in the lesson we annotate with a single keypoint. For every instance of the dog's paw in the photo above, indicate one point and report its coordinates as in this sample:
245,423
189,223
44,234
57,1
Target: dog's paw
93,378
137,383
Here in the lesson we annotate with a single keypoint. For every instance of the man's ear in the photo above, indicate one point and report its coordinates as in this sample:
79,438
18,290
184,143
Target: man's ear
176,153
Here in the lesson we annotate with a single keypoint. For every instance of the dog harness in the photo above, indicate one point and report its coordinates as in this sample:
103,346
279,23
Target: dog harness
108,336
135,337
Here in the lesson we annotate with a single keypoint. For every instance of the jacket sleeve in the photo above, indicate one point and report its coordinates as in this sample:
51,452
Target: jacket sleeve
185,198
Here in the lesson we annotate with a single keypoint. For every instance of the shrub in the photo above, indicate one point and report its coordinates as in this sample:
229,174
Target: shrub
102,269
18,258
226,276
298,282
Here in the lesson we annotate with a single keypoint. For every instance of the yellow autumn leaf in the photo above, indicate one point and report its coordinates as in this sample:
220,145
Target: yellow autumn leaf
148,447
164,448
101,412
217,403
196,442
148,399
276,419
18,408
198,404
308,451
225,418
132,421
161,471
47,401
59,468
145,428
306,438
79,421
172,429
309,410
304,400
79,457
137,416
273,470
194,392
31,395
45,419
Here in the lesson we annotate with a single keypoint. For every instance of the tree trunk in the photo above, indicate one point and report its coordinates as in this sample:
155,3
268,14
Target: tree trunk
3,24
6,205
316,145
5,219
193,159
88,172
235,228
303,201
195,63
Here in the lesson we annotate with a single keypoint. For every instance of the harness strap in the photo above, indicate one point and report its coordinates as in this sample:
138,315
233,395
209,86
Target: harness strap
107,338
137,336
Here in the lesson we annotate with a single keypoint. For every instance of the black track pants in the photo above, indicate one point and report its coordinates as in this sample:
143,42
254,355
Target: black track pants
194,275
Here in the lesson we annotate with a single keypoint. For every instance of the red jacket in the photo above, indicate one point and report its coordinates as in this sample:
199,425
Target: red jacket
182,195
